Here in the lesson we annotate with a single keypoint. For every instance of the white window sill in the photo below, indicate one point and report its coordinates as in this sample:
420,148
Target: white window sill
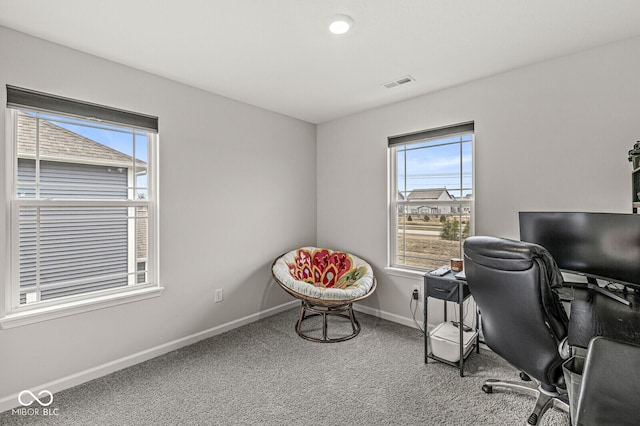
405,273
32,316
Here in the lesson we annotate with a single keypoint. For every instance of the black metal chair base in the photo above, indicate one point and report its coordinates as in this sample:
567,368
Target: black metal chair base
544,399
308,310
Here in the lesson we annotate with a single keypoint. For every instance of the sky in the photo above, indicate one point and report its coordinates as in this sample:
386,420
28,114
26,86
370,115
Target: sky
436,164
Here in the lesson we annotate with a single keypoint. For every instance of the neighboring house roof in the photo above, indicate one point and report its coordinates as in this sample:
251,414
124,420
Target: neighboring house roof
432,194
59,144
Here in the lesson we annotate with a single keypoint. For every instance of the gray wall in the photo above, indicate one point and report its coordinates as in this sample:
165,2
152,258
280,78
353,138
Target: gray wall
551,136
237,189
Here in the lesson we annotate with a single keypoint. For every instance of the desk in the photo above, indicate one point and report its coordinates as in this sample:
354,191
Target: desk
594,314
447,288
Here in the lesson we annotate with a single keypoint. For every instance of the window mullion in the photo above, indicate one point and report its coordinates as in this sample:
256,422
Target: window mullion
48,202
135,210
461,164
404,218
38,235
461,239
37,156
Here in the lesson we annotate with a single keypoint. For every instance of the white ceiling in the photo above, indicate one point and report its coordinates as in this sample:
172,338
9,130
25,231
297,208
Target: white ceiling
279,55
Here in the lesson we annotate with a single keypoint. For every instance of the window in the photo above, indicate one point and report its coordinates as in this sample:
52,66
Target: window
431,200
83,211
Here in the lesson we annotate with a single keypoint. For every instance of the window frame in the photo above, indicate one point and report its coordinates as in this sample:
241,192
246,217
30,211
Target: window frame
11,312
394,203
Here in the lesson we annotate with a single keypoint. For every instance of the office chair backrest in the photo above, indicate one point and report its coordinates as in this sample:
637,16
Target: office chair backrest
523,320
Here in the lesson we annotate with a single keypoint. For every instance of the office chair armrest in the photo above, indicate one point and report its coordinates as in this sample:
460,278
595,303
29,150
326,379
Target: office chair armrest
564,349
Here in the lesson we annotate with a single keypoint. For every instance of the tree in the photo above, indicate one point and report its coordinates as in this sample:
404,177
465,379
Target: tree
426,218
451,230
443,218
466,231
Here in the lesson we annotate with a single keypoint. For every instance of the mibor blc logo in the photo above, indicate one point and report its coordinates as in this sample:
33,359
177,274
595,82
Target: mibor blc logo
44,399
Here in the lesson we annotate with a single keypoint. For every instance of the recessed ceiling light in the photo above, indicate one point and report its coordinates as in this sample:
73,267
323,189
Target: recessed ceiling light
340,24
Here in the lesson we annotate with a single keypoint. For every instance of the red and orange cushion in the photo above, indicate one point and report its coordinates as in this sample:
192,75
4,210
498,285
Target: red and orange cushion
324,274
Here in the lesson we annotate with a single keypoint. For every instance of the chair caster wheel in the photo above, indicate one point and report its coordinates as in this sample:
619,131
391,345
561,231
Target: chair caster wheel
524,376
487,389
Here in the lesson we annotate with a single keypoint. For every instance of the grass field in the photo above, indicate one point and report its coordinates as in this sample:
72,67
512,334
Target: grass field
426,249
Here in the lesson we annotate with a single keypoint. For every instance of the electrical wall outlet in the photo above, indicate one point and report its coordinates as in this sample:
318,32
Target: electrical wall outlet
218,295
416,288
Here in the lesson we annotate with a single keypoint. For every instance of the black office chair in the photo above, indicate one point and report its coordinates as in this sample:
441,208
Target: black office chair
523,319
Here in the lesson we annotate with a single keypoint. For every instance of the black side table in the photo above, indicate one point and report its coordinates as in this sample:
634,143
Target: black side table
449,289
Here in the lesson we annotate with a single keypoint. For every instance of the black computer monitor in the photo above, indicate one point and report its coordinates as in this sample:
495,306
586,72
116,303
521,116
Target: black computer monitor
597,245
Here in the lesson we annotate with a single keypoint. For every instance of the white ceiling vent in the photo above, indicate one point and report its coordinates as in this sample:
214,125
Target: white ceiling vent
399,82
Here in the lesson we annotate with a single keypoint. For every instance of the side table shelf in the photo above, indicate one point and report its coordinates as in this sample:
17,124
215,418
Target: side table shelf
448,288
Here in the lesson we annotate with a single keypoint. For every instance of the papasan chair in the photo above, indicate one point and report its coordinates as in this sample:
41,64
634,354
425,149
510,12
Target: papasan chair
327,282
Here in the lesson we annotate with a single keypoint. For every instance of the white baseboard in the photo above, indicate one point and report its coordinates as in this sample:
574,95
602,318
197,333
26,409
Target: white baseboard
11,401
387,316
